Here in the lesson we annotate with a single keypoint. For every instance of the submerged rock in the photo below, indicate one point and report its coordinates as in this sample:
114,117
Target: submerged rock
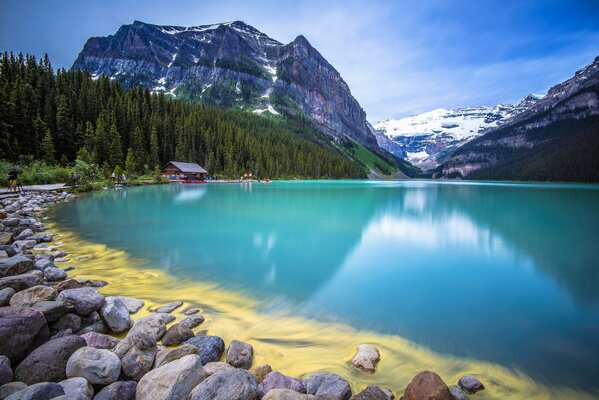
470,384
169,307
210,348
427,386
366,358
191,311
233,384
240,354
327,384
172,381
99,367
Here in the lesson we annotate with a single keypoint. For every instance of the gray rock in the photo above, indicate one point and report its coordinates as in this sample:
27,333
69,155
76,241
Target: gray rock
6,373
5,238
77,387
137,352
210,348
3,254
39,391
192,321
67,321
165,356
43,263
42,237
10,388
52,309
115,315
276,380
240,354
5,295
191,311
20,282
172,381
260,372
366,358
373,392
53,274
169,307
8,249
15,265
92,323
100,341
176,335
153,324
86,300
22,329
10,222
35,294
234,384
68,284
133,305
98,366
47,363
470,384
24,234
121,390
286,394
457,393
327,384
22,245
213,367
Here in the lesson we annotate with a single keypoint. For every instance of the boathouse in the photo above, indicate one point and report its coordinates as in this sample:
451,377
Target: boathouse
182,171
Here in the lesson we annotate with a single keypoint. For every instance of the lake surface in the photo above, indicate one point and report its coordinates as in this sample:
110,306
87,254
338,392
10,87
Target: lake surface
507,273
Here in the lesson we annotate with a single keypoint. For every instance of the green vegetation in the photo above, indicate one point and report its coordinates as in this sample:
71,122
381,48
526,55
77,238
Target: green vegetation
34,172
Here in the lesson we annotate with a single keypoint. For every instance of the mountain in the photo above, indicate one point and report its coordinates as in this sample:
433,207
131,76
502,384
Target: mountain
231,65
427,139
556,139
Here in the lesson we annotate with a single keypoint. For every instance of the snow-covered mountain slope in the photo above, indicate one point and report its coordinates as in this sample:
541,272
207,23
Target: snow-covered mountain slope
426,139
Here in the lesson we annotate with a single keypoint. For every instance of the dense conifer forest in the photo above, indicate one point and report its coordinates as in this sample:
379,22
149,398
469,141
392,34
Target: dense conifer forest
62,116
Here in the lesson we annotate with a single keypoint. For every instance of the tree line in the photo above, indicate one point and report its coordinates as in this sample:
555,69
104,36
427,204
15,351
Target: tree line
62,116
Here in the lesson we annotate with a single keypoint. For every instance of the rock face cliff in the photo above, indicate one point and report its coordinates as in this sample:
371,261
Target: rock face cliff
231,65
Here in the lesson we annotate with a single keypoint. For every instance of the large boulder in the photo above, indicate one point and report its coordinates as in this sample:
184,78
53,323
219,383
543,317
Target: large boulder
52,309
240,354
116,315
286,394
470,384
233,384
6,373
165,356
28,297
366,358
172,381
276,380
15,265
98,366
47,363
86,300
100,341
137,352
22,329
427,386
5,295
21,282
176,335
210,348
373,392
153,325
77,388
133,305
328,384
169,307
39,391
120,390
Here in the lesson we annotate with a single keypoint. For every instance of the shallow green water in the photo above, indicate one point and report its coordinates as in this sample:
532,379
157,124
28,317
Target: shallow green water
507,273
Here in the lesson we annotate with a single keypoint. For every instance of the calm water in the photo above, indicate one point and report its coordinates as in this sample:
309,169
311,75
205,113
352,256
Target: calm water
495,272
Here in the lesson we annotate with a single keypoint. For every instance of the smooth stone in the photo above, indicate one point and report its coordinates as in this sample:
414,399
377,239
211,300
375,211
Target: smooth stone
327,384
234,384
286,394
98,366
8,249
35,294
457,393
169,307
137,353
21,282
22,245
5,238
176,335
53,274
276,380
60,334
24,234
120,390
52,309
213,367
61,259
86,300
133,305
366,358
153,324
100,341
172,381
15,265
191,311
10,222
5,295
165,356
260,372
67,321
78,387
470,384
373,392
3,254
116,315
92,323
22,329
10,388
47,363
427,385
39,391
192,321
68,284
240,354
97,284
6,374
210,348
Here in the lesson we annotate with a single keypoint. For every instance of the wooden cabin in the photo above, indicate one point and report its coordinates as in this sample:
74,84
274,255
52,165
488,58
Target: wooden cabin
182,171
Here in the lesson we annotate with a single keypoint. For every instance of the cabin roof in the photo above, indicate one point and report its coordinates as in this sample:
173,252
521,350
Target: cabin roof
188,167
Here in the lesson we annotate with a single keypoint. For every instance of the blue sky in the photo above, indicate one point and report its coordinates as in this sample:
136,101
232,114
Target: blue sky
398,57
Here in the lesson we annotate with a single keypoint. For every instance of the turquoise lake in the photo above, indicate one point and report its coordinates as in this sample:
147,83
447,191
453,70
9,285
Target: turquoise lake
507,273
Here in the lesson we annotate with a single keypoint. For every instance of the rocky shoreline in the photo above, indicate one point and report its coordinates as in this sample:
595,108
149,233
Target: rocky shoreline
58,338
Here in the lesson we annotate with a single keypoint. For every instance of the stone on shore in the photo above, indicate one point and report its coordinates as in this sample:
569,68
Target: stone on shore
327,384
52,309
276,380
77,388
169,307
210,348
100,341
92,323
48,362
43,263
470,384
286,394
165,356
98,366
234,384
373,392
192,321
172,381
153,324
86,300
67,321
458,394
10,388
21,282
25,233
39,391
6,373
116,315
35,294
5,295
137,353
366,358
120,390
15,265
133,305
68,284
427,385
260,372
22,329
5,238
176,335
216,366
240,354
53,274
22,245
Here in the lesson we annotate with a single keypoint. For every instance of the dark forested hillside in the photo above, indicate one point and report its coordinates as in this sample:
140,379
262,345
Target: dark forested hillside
60,116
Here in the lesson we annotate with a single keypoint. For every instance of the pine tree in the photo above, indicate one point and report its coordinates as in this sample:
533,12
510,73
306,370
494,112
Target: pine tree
130,163
154,161
47,148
